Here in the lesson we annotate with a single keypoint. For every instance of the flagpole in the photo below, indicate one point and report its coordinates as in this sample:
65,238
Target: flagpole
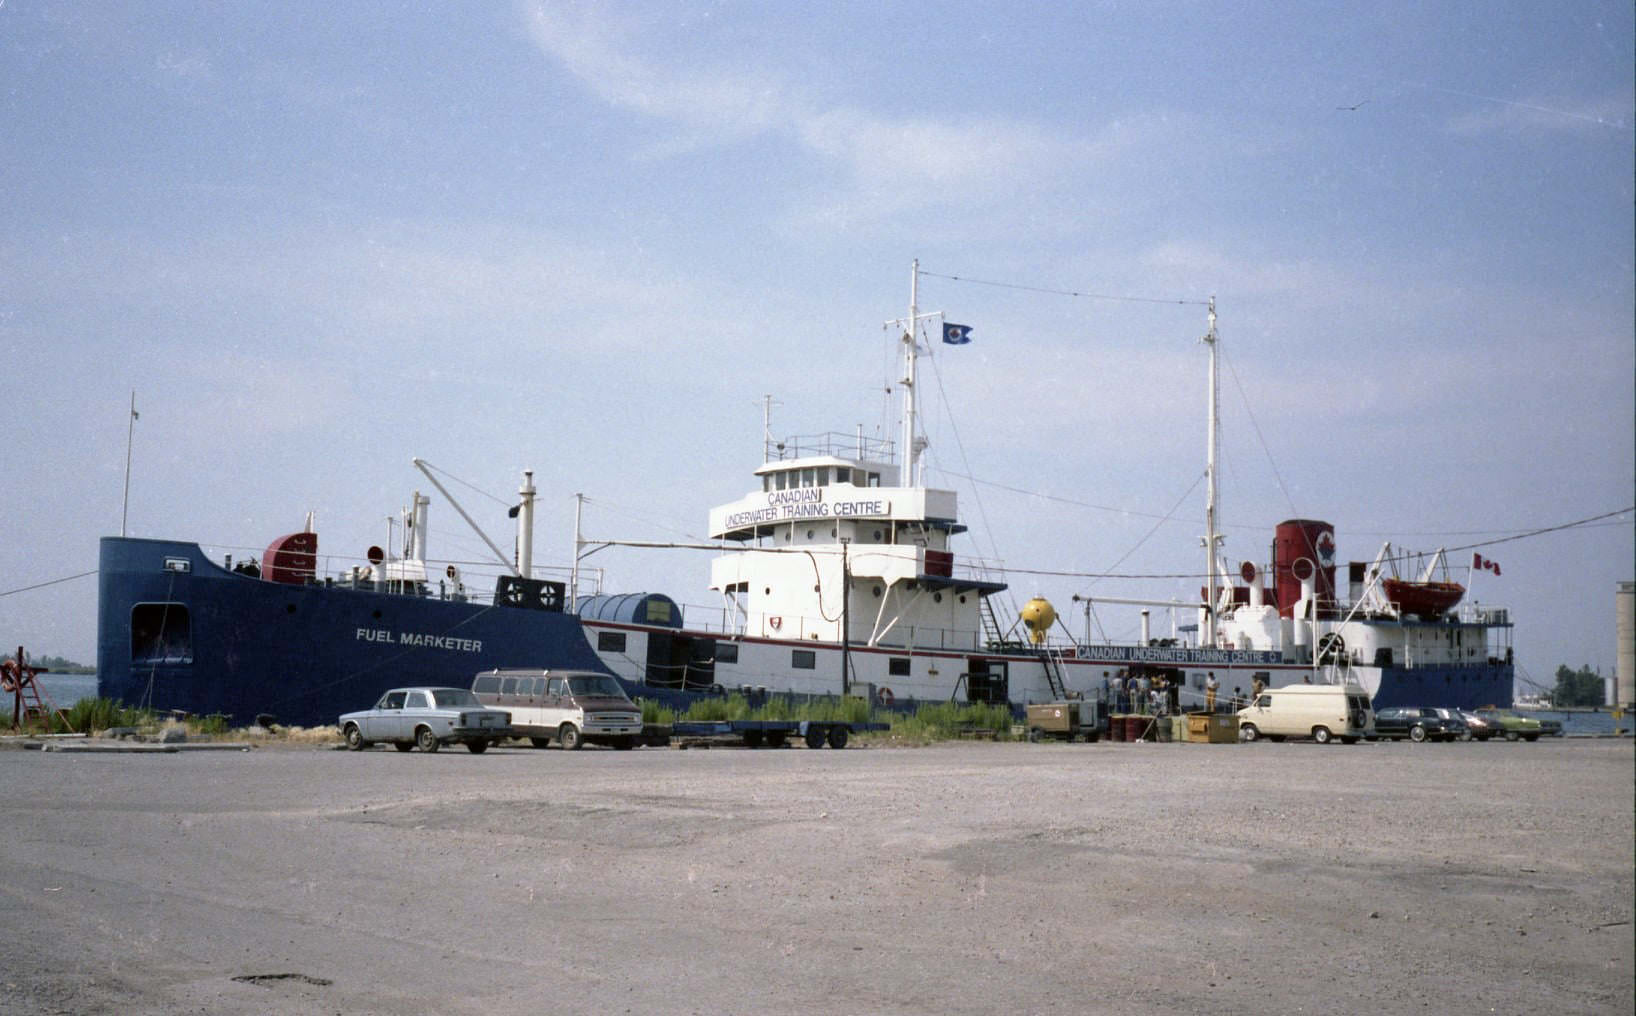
130,432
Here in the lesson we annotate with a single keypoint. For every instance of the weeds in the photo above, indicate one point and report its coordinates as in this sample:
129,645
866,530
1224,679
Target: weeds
931,722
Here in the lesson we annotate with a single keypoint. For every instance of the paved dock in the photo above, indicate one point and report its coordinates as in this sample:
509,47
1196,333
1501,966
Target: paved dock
960,878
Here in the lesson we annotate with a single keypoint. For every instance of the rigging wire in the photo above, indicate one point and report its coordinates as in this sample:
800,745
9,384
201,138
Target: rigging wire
1259,436
51,582
1173,301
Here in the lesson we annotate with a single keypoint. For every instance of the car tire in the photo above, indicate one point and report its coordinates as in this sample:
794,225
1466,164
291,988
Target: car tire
1532,737
1348,740
354,738
1417,733
1512,735
1466,736
1247,732
426,741
1320,734
539,742
477,747
404,745
568,737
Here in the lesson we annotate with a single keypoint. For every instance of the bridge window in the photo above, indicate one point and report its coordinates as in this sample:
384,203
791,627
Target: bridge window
843,474
610,641
898,666
726,652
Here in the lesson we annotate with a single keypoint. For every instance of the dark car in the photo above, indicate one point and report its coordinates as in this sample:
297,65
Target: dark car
1480,728
1417,723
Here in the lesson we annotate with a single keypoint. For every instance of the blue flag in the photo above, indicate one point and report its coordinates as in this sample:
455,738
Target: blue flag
956,335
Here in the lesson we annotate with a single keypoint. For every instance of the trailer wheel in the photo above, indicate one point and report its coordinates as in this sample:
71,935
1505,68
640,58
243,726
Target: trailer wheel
1035,734
775,739
837,737
815,736
752,738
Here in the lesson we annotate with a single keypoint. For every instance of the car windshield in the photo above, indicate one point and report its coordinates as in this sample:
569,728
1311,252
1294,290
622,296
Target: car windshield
456,698
593,685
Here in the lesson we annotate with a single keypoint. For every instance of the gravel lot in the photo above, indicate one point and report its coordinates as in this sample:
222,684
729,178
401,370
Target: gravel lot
963,878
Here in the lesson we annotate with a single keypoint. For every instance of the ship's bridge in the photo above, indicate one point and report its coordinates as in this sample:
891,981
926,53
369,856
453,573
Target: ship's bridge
827,489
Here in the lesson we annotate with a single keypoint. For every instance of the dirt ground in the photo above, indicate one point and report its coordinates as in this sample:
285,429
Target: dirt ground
962,878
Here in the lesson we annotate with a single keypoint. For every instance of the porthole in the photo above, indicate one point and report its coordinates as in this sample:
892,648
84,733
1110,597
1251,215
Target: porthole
877,592
962,599
937,597
768,591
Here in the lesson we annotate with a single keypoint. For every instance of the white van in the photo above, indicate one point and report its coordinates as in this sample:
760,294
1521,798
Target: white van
574,706
1318,711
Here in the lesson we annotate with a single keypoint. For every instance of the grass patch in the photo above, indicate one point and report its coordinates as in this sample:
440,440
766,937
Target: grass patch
932,722
88,715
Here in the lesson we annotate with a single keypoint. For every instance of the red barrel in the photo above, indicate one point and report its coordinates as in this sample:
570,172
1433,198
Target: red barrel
1116,727
1134,727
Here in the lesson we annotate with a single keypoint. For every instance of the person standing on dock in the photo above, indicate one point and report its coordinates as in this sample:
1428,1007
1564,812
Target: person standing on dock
1211,685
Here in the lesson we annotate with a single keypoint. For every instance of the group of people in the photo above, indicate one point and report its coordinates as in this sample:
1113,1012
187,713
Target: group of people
1160,694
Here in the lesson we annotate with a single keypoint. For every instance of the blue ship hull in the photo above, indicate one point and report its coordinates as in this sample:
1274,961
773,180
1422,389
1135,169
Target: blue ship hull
177,631
1455,687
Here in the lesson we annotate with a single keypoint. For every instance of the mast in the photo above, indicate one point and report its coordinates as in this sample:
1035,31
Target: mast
907,449
1211,538
579,547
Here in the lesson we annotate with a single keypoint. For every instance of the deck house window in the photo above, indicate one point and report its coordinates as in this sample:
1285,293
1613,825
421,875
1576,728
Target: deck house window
610,641
803,659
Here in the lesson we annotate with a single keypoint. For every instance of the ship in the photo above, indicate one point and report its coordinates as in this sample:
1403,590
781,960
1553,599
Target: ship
837,572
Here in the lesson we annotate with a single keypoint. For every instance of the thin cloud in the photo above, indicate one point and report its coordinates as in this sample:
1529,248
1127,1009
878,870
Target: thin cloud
889,164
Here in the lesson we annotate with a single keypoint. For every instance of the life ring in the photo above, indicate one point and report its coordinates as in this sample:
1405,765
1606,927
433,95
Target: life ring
775,623
884,696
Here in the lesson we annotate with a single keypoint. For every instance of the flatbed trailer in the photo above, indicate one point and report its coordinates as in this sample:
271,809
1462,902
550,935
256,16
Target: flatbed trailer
773,733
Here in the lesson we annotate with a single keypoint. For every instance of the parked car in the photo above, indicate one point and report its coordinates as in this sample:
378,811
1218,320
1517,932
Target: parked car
1459,727
574,707
1322,712
426,718
1513,725
1480,728
1417,723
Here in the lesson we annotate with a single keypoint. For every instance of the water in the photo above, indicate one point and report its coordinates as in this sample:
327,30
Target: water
63,690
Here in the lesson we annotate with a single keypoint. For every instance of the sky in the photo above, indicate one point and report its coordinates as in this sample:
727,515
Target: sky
318,240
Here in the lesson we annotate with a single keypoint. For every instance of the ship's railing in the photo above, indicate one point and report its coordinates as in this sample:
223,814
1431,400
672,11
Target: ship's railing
832,443
475,584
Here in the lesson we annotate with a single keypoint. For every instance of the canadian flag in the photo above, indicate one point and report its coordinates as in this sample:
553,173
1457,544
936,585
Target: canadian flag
1479,562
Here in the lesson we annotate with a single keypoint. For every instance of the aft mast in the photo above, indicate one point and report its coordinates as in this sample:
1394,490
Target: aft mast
909,454
1212,539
